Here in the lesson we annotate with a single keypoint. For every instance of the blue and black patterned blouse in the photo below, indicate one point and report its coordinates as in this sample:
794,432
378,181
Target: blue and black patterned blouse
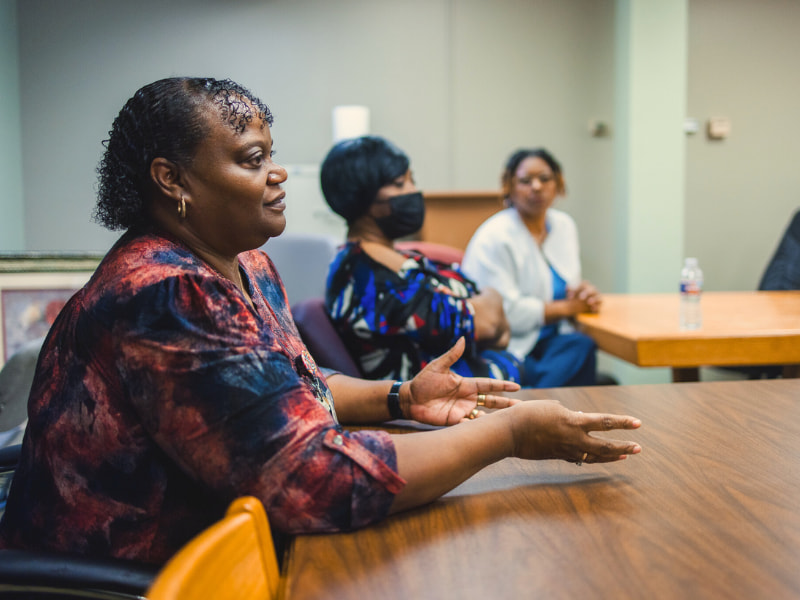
394,323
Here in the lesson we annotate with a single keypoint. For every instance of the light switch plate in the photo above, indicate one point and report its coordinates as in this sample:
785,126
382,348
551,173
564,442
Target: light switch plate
719,128
691,126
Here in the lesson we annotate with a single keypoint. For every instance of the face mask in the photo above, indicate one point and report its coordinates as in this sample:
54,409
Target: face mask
406,217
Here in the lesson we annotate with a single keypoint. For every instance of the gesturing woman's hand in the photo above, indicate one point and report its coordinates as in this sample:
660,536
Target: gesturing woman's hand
438,396
542,429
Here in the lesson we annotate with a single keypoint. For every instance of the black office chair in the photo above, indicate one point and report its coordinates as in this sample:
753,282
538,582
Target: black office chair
321,338
26,574
782,273
9,457
302,261
16,377
783,269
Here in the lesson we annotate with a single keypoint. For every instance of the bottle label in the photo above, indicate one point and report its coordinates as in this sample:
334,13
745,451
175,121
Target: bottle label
691,288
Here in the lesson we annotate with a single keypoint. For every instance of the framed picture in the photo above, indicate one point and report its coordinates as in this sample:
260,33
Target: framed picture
33,289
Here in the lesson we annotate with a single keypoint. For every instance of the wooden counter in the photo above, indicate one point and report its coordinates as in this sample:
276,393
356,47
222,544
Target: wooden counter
451,217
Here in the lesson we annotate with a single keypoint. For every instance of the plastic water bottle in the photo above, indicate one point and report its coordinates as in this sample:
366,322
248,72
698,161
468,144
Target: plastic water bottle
691,289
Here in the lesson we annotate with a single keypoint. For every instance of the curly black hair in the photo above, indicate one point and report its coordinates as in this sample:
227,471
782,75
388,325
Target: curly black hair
163,119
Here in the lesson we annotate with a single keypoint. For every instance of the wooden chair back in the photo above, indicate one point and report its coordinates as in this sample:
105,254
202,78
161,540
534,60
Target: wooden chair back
232,559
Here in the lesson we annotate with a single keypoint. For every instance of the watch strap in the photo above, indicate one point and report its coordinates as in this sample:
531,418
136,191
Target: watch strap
393,401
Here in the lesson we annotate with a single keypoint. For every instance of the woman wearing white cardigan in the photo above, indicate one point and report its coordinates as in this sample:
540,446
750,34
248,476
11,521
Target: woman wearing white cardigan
529,252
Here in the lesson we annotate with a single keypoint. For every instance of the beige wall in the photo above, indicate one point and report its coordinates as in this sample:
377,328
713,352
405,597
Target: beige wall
741,192
533,74
457,83
11,204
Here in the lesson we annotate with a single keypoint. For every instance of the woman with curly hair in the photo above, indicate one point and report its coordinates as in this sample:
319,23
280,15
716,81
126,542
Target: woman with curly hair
175,380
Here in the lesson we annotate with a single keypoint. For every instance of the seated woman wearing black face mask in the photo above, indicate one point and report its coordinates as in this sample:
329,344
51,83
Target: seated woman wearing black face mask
396,311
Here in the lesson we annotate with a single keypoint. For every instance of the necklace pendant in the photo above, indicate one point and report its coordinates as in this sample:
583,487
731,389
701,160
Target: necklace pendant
305,365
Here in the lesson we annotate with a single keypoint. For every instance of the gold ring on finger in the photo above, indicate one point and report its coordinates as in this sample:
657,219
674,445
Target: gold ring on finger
481,399
473,413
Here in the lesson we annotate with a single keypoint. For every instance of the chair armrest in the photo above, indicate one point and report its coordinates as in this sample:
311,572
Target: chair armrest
22,570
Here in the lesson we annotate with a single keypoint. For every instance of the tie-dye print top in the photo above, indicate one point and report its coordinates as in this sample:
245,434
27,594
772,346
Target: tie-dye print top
161,395
395,322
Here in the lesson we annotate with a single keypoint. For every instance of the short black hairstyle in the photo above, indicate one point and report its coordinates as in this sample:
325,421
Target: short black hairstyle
163,119
355,169
518,156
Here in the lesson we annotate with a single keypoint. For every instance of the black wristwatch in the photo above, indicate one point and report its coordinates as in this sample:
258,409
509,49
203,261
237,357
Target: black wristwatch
393,400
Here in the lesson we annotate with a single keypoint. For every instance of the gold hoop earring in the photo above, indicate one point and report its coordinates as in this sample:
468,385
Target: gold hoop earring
182,208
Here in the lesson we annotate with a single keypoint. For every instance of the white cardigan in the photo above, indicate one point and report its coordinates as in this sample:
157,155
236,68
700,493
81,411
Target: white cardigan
502,254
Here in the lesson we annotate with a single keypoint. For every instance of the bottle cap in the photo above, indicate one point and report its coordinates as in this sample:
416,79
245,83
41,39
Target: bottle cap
691,262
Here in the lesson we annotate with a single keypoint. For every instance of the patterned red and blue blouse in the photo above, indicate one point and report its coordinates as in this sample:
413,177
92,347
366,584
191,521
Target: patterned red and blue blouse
161,394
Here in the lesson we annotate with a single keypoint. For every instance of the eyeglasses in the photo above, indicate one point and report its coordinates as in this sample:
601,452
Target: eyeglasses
543,179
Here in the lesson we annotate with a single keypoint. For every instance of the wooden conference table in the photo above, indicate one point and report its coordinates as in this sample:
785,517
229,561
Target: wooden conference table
739,328
709,509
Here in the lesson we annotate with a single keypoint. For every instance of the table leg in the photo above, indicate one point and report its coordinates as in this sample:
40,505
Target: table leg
791,371
680,374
